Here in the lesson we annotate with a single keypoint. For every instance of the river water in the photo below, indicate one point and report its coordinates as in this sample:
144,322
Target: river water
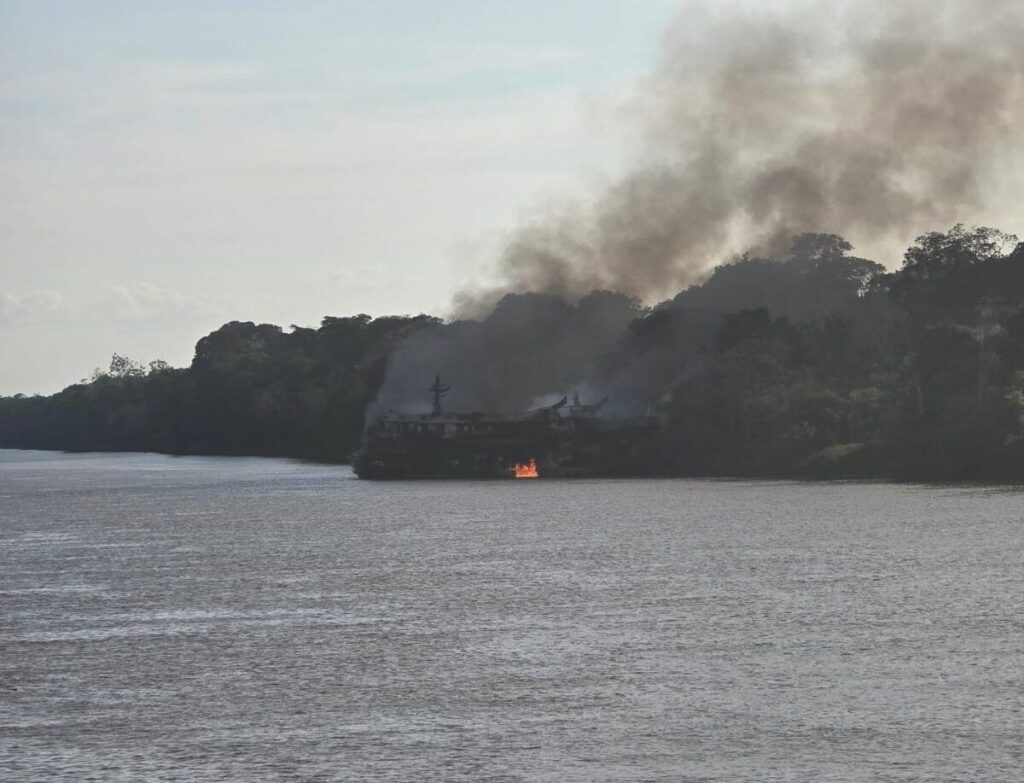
202,619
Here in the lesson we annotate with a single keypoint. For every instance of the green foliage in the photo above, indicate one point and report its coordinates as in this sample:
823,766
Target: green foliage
819,364
921,369
816,278
251,389
123,367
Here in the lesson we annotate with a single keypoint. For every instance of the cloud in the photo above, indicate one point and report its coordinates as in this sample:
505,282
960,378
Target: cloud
447,64
372,278
116,304
156,305
30,308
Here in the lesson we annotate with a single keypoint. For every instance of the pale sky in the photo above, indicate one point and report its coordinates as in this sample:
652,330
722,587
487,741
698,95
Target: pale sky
169,166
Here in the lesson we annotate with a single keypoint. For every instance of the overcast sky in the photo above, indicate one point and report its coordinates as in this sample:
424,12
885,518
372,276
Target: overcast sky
169,166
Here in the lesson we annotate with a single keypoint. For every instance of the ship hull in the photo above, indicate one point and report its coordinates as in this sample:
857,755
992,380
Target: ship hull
607,449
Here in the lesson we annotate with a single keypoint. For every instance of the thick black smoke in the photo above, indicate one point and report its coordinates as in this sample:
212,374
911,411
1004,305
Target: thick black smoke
872,119
530,345
875,119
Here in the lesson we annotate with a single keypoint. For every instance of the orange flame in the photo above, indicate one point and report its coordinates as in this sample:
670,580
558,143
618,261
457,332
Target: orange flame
527,470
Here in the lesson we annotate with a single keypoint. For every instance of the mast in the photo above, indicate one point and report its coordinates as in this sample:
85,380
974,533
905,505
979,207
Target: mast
437,391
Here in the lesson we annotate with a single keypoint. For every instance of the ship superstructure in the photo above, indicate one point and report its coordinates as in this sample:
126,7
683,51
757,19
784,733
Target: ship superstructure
565,439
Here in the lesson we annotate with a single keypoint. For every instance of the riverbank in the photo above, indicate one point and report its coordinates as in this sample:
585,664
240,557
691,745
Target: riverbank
849,462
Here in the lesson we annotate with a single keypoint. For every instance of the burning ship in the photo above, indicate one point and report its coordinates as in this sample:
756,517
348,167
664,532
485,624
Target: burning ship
566,439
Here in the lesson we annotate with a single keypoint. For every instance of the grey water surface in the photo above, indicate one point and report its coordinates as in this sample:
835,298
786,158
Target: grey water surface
202,619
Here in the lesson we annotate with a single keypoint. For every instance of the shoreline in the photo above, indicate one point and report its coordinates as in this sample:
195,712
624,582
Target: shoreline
782,476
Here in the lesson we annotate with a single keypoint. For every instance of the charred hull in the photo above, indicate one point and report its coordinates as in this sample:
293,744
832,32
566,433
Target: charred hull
478,446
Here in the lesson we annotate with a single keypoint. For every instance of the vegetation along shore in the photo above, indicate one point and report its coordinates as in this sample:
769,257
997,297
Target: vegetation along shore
816,363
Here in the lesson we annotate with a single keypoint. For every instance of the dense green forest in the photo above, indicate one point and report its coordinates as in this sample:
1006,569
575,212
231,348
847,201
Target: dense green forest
251,390
817,363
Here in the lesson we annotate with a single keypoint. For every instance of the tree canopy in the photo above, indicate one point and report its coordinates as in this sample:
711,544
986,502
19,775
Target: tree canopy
816,363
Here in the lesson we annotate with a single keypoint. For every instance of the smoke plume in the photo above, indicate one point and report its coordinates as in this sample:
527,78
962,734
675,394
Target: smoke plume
874,119
529,346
